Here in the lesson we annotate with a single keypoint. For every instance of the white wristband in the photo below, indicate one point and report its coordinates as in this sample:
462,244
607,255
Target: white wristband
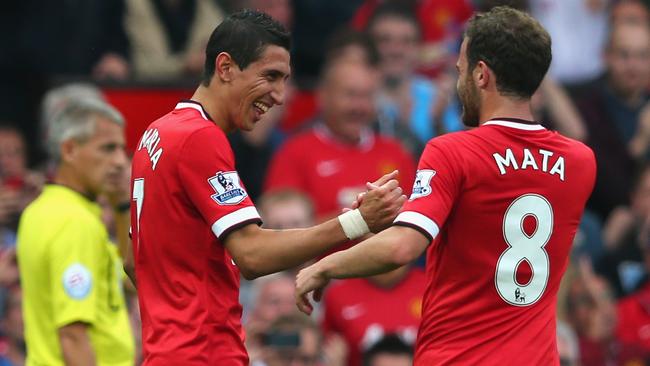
353,224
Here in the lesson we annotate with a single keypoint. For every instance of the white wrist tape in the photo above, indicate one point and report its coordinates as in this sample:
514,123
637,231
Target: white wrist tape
353,224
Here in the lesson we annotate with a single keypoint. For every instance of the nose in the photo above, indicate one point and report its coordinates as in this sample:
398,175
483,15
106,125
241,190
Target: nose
278,93
119,158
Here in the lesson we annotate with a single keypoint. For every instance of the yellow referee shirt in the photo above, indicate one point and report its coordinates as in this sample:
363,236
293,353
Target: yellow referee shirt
71,272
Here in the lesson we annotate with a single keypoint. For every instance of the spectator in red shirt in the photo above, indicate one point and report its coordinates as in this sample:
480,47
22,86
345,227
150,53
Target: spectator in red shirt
332,162
364,310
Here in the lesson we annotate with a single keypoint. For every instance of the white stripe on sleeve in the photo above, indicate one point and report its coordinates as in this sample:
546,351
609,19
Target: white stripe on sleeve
234,218
419,220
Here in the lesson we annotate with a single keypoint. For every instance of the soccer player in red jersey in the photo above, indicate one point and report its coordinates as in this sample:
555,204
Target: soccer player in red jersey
194,228
496,208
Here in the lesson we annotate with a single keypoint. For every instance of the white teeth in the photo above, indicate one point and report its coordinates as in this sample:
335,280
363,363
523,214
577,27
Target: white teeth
261,106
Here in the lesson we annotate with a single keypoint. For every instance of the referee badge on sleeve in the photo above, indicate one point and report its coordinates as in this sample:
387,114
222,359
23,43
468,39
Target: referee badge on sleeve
228,188
422,184
77,281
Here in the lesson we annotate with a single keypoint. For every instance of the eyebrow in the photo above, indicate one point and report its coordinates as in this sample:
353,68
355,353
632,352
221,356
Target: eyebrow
275,73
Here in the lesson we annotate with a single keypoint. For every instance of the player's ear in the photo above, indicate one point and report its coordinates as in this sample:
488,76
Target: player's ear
68,150
224,66
481,74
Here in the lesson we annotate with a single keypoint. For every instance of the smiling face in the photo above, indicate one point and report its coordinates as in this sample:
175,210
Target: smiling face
347,97
257,88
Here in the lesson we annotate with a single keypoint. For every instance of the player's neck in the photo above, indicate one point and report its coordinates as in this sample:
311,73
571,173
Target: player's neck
506,108
206,96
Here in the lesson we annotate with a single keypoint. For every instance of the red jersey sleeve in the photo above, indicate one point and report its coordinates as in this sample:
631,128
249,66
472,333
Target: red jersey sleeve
437,184
207,172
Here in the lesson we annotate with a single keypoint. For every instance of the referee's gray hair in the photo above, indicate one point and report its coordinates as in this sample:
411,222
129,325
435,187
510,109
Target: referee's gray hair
56,99
77,121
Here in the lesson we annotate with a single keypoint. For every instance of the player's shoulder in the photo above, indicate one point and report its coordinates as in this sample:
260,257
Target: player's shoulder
576,147
186,123
451,140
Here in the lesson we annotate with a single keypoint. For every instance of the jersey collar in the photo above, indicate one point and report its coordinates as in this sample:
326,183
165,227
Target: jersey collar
366,142
73,196
188,103
520,124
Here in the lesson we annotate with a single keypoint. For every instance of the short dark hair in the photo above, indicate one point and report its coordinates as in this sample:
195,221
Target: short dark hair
394,10
391,344
243,35
345,37
514,45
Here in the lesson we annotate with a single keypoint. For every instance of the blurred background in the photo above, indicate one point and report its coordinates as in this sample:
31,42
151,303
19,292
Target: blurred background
381,72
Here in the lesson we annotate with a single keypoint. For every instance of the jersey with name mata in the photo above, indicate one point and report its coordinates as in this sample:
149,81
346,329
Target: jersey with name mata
501,204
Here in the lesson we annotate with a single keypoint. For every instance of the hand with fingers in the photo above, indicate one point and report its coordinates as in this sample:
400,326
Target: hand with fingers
381,203
310,279
382,180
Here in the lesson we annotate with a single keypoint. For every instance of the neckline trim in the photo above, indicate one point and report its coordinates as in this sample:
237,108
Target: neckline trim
520,124
188,103
366,142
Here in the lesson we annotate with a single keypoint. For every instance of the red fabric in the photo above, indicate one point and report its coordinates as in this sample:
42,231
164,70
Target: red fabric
609,353
633,325
362,16
362,312
472,313
138,115
442,18
188,285
300,108
333,173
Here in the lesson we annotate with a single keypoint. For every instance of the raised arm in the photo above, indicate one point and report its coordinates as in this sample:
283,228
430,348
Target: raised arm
258,251
384,252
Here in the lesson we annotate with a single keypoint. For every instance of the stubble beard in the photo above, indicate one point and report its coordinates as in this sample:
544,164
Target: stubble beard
471,103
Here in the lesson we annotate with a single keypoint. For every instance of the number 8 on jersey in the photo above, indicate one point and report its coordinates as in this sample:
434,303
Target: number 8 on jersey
524,247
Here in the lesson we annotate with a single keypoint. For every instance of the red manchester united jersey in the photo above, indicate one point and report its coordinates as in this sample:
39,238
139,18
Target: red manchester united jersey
363,312
332,173
187,197
503,202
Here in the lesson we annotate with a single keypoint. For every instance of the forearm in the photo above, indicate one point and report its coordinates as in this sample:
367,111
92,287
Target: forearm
386,251
381,253
258,252
76,348
267,251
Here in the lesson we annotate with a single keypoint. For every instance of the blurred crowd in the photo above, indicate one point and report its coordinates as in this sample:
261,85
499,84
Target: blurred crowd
372,81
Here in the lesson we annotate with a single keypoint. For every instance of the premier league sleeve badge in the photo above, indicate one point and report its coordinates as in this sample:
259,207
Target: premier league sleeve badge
228,188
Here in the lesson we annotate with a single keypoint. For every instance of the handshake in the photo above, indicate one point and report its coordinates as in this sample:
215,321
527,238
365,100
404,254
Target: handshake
375,209
372,211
